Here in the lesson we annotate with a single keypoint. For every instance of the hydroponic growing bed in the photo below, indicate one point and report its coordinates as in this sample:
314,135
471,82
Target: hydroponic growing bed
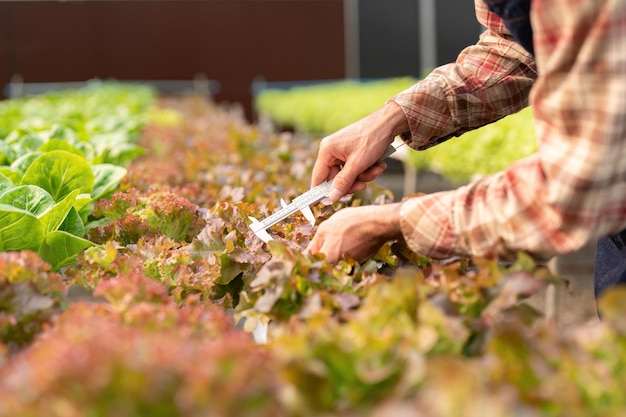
175,282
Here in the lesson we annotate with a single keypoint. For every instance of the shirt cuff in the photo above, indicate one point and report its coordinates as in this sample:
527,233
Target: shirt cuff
426,224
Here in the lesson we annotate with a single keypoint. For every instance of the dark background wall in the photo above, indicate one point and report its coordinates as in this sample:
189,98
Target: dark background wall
457,28
389,35
231,41
388,38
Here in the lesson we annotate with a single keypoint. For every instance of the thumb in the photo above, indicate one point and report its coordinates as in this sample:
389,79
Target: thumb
342,182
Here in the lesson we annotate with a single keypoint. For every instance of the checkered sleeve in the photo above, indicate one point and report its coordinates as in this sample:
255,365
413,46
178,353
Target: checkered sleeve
573,190
488,81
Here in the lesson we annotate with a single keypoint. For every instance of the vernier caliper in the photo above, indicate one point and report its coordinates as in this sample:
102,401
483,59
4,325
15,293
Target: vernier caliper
301,203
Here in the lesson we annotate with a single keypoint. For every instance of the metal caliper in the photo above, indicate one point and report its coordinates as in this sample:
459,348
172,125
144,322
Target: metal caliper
302,203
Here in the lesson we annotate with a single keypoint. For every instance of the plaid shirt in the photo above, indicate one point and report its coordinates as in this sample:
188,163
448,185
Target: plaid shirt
573,190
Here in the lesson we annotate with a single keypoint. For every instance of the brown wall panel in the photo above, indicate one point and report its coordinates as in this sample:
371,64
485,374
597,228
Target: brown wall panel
6,58
51,41
232,41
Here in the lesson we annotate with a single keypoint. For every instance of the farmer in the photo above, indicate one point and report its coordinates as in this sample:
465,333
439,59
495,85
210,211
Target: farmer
571,68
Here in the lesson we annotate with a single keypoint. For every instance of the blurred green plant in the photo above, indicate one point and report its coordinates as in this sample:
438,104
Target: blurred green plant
326,107
60,152
483,151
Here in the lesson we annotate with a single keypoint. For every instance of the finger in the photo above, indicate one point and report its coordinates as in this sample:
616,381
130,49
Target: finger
373,172
356,187
326,165
344,181
320,173
312,248
333,171
321,246
315,244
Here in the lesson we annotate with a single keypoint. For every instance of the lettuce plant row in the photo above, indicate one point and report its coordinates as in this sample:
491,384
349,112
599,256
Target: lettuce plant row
174,282
59,153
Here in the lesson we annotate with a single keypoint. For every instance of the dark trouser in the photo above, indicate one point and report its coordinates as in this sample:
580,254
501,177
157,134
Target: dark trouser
610,265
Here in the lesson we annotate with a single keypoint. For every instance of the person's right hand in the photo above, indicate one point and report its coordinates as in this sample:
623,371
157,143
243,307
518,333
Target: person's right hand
350,156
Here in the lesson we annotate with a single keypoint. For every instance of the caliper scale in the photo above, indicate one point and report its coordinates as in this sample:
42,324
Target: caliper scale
301,203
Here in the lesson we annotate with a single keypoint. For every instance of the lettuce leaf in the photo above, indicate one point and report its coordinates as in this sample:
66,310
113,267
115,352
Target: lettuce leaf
60,248
19,229
60,173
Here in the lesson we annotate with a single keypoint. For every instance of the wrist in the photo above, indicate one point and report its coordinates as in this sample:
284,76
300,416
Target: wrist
388,121
387,220
396,118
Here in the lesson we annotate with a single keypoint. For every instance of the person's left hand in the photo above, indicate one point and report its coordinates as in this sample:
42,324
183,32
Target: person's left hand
357,232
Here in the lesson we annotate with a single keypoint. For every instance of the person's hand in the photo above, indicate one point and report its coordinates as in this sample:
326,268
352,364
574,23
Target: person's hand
357,232
350,156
